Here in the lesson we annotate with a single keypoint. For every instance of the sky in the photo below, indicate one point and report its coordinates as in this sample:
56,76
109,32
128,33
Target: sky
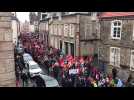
22,16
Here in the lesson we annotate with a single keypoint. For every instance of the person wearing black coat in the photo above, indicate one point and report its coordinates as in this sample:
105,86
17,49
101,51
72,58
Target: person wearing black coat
24,77
114,72
17,74
56,71
39,81
128,83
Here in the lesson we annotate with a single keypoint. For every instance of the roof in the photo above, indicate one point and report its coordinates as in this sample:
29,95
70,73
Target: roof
116,14
68,15
32,62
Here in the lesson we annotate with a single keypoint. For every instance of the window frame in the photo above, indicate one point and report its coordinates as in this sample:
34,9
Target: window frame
112,29
114,63
59,30
66,27
131,68
133,33
72,30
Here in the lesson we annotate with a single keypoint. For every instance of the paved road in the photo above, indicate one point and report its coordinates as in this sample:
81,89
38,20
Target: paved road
30,83
43,68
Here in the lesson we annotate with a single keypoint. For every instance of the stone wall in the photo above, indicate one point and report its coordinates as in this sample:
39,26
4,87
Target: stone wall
7,69
89,29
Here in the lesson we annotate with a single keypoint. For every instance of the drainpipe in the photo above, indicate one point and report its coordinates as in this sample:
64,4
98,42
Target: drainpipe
79,35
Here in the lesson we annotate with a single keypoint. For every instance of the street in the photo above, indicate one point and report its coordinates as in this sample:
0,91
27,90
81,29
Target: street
74,51
73,75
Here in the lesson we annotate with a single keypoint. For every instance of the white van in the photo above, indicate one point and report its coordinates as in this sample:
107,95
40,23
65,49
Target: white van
33,68
49,81
27,57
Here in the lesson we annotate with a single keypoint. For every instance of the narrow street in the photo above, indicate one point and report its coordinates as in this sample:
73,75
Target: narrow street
74,54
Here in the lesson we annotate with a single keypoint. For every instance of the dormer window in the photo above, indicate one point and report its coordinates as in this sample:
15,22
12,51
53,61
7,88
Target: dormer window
43,16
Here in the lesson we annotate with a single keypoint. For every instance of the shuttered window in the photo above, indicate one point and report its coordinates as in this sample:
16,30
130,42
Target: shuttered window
133,33
132,61
115,56
66,29
71,30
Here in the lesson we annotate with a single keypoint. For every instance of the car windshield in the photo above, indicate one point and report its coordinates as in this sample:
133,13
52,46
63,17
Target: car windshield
34,67
30,58
43,73
27,57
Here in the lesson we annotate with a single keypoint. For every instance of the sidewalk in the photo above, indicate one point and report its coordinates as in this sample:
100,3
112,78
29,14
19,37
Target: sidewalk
43,67
30,84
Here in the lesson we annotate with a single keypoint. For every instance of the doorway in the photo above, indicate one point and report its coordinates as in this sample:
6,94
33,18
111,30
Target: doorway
72,49
66,47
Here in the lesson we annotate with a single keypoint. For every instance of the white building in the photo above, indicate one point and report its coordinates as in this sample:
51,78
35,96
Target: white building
31,28
24,27
15,29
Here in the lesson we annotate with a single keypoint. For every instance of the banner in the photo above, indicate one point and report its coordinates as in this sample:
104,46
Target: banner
73,71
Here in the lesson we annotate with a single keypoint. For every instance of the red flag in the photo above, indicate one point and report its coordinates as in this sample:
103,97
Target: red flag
61,62
81,60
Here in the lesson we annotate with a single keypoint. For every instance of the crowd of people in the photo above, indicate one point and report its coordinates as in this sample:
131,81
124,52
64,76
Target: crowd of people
73,71
20,72
79,72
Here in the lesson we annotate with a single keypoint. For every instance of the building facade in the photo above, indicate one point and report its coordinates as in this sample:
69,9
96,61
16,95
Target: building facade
25,27
74,33
44,31
7,67
15,29
31,28
117,36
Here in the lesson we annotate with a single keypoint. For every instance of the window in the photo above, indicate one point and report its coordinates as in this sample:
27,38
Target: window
51,29
93,14
66,47
43,16
116,28
54,29
133,33
71,30
132,61
72,48
56,44
66,30
60,45
59,29
115,56
52,40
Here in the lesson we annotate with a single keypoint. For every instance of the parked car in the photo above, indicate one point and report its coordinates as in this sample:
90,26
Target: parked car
38,81
33,68
131,84
19,50
49,81
27,57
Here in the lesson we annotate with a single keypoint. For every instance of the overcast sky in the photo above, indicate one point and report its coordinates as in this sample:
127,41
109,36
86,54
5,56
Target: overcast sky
22,16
